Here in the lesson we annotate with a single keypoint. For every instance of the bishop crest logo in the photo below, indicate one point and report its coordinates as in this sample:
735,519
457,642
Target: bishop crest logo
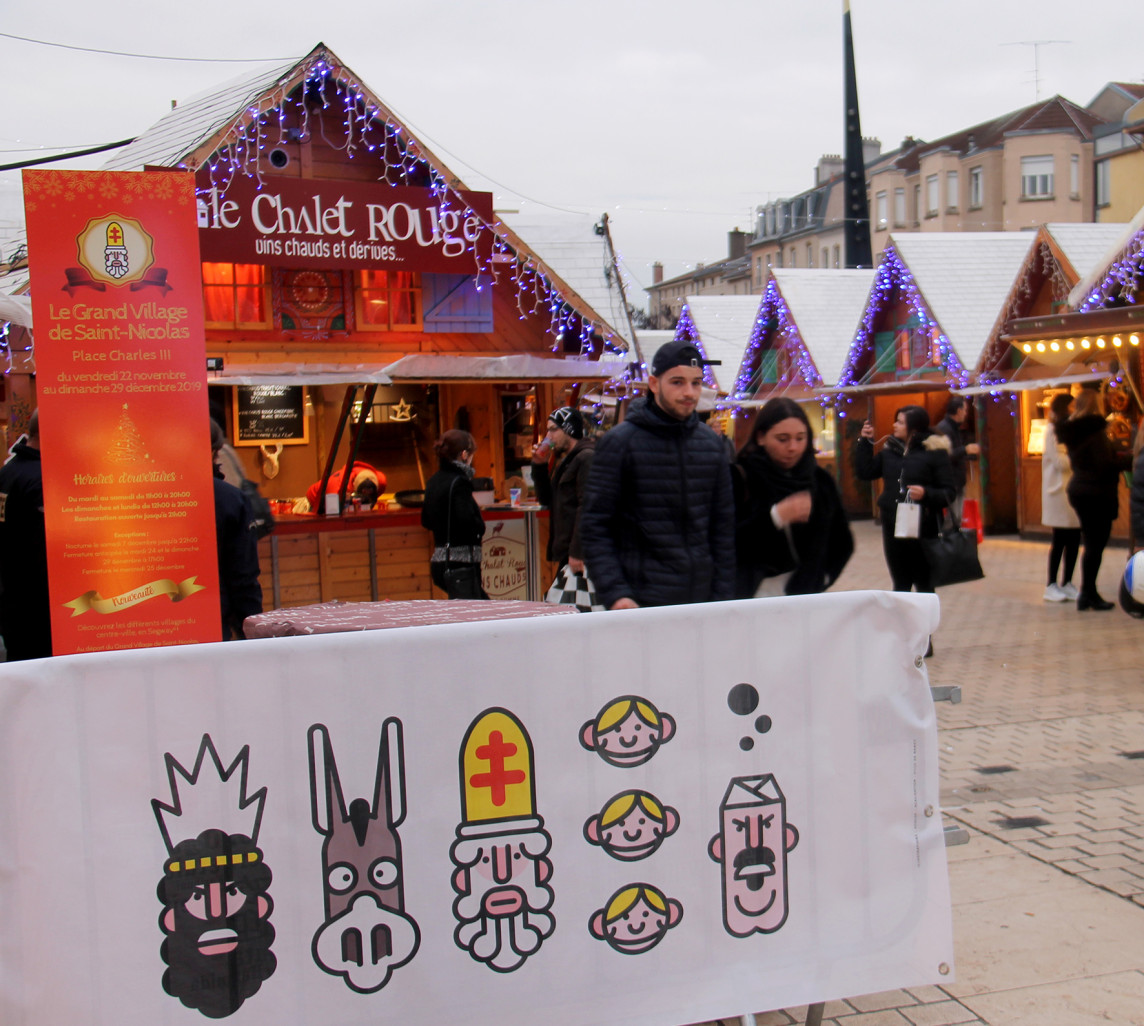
115,250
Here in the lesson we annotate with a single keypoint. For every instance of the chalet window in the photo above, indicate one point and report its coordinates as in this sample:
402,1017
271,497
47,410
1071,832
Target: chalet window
769,366
1036,177
236,296
931,195
388,300
976,191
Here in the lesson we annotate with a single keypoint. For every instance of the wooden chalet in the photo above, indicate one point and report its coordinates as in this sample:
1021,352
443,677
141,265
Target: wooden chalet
934,304
360,299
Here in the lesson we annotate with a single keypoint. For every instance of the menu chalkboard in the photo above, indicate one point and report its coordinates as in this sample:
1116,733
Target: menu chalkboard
270,413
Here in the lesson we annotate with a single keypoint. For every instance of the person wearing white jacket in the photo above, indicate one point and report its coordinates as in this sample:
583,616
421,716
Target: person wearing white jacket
1056,510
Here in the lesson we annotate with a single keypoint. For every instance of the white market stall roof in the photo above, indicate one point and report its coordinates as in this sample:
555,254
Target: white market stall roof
723,324
312,374
964,279
16,310
1085,245
570,246
826,306
517,367
1128,243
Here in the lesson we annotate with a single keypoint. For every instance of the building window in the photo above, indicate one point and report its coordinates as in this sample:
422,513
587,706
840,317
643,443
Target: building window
1036,177
900,207
917,203
793,257
1074,176
388,300
931,196
236,296
1103,184
882,215
975,187
952,200
810,254
837,256
825,256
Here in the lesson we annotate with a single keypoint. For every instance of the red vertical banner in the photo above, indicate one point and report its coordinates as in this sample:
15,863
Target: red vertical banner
122,394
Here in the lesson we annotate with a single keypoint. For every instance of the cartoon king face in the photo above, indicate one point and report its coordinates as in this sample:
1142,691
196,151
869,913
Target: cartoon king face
501,847
366,933
752,847
216,909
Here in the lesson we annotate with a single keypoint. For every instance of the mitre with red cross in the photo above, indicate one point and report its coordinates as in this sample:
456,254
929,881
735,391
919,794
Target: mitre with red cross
496,770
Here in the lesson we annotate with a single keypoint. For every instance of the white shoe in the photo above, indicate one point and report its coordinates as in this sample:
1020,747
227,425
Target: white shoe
1070,591
1055,593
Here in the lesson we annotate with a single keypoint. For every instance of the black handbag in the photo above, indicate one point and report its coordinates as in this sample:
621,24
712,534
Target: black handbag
952,555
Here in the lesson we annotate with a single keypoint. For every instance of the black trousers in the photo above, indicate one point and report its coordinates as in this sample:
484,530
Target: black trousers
1066,544
1096,517
458,580
904,559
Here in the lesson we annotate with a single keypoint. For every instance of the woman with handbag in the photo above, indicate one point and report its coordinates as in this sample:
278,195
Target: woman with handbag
915,469
1056,510
452,514
791,533
1093,489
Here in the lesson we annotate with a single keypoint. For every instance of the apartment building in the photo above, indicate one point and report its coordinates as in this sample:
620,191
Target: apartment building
1118,151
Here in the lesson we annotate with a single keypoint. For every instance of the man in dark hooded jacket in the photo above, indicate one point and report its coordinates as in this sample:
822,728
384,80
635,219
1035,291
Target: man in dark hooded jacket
562,490
658,526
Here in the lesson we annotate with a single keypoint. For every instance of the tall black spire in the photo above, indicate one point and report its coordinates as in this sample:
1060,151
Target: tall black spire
857,211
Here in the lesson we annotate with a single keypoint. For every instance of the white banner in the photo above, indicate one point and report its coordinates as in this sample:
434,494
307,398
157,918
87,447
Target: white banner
650,817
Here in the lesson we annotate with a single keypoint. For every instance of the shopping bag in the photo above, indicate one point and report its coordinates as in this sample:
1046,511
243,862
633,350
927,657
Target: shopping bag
952,555
573,588
908,520
971,519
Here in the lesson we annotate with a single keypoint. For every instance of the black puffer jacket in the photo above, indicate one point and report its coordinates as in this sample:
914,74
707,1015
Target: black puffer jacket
464,525
658,524
925,463
563,494
1096,463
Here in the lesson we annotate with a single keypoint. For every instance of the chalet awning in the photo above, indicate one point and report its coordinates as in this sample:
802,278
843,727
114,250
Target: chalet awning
1033,384
890,387
516,367
314,374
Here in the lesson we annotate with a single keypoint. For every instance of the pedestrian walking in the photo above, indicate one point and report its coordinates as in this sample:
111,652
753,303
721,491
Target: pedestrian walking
914,467
1093,488
791,532
1056,510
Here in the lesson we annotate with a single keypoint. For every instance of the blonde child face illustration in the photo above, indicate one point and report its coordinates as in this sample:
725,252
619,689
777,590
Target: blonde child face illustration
632,826
627,732
636,919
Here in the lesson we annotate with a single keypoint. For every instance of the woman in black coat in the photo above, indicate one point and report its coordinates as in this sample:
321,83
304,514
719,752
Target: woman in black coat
791,534
1093,488
452,514
913,464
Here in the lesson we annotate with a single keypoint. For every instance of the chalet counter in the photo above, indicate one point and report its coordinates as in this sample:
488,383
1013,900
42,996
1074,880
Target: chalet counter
367,557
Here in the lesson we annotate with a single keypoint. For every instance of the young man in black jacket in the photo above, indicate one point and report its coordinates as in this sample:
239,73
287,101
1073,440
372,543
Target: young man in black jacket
658,525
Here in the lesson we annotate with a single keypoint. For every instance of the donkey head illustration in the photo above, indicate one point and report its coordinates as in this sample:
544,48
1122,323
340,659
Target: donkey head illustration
366,933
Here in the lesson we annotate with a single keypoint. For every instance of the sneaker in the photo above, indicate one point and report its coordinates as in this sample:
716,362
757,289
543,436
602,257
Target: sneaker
1055,593
1070,591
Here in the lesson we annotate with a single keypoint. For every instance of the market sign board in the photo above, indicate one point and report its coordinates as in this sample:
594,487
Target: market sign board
122,393
328,224
643,818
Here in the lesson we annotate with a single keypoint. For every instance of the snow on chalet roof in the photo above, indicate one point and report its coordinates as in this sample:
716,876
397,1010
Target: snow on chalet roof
1128,241
827,306
724,325
569,245
184,128
1085,245
964,278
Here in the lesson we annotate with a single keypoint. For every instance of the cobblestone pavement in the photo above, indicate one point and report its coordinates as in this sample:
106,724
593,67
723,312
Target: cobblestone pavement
1043,762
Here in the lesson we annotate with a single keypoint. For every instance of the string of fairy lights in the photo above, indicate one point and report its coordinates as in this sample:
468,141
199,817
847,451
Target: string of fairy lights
328,93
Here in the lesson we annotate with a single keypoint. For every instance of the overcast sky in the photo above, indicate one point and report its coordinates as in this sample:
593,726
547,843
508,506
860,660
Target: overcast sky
677,118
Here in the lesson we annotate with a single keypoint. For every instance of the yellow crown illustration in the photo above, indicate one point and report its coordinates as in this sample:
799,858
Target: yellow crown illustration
496,767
